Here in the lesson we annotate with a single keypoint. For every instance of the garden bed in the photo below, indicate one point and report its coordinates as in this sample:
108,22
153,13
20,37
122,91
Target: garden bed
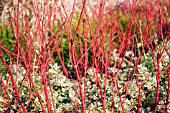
82,56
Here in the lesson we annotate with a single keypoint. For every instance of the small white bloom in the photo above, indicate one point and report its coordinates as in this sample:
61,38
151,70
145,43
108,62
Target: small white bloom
71,93
129,53
60,98
88,83
91,71
56,66
139,45
52,71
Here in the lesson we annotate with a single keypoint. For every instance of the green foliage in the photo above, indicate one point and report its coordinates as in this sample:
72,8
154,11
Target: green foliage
168,47
7,40
66,91
65,46
124,25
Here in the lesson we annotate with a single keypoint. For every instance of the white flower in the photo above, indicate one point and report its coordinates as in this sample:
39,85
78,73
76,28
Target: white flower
91,71
60,98
71,93
63,89
56,67
88,83
60,80
166,59
53,71
129,53
113,70
139,45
